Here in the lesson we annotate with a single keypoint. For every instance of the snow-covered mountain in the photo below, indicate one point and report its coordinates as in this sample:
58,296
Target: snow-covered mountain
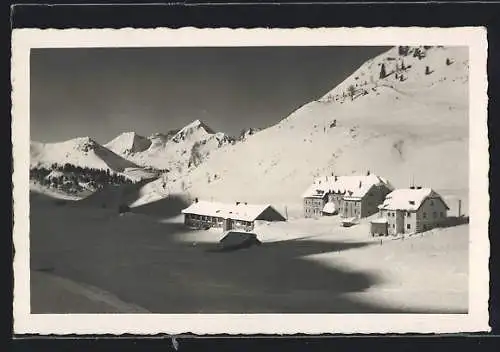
176,151
82,151
402,115
128,143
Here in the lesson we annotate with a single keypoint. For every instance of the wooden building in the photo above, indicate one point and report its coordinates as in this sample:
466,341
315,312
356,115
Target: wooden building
239,215
412,210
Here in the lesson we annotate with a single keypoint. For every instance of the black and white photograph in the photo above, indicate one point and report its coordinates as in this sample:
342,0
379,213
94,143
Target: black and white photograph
250,180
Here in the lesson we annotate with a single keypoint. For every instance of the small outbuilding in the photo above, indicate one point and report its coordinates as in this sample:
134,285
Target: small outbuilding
378,227
238,240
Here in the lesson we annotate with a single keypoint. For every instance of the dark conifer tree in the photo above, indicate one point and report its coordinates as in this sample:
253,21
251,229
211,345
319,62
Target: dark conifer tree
382,71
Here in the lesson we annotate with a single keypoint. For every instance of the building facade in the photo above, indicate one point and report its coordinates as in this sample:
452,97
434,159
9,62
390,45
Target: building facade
349,196
365,204
238,216
314,204
413,210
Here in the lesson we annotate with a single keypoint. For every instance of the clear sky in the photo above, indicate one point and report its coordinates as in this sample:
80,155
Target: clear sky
101,92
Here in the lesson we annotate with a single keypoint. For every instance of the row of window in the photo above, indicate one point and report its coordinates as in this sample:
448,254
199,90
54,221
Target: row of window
314,211
424,214
434,215
313,201
215,219
408,226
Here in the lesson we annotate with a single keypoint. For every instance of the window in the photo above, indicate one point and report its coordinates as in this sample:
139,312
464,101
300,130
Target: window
408,215
408,226
434,215
424,215
441,214
432,202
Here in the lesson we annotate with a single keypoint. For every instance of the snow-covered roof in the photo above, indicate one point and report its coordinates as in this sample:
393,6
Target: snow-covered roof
354,186
241,211
408,198
329,208
379,221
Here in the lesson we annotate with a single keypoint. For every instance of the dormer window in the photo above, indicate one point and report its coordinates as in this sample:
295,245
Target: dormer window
412,202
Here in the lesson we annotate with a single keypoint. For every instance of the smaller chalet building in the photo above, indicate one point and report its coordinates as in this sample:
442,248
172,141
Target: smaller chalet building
411,210
238,215
354,196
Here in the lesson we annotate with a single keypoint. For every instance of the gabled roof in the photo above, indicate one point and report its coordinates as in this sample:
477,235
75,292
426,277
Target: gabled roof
354,186
241,211
408,199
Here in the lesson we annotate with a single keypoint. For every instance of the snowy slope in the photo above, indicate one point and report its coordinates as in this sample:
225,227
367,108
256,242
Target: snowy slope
82,151
401,129
174,150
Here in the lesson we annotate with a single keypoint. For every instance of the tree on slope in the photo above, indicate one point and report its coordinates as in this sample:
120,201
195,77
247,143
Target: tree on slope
351,90
403,50
383,74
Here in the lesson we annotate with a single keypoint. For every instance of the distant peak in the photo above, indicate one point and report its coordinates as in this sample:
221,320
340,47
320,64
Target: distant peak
197,124
128,142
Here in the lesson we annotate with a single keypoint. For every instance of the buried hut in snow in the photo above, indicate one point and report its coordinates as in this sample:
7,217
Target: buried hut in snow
239,215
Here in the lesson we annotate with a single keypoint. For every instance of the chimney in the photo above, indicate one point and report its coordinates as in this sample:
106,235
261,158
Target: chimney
360,183
419,187
246,203
368,173
412,187
196,200
459,208
336,178
237,203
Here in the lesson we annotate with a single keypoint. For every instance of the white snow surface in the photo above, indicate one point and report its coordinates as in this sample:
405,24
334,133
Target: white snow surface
424,271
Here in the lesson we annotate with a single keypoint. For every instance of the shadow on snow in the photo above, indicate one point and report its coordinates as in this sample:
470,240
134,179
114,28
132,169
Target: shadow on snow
143,262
